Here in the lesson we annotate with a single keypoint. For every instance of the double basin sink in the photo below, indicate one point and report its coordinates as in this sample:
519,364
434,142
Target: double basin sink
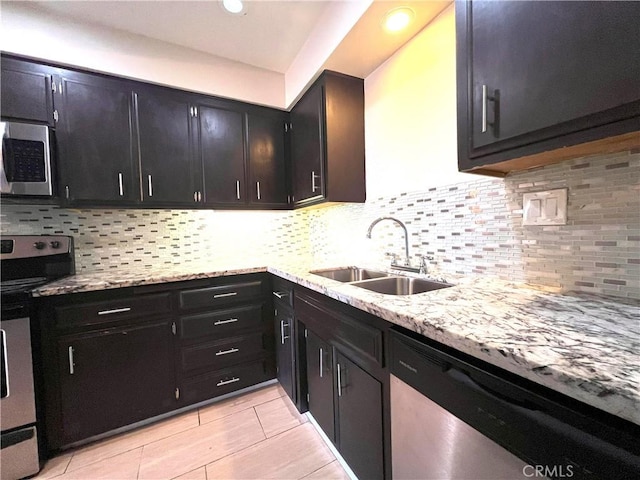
381,282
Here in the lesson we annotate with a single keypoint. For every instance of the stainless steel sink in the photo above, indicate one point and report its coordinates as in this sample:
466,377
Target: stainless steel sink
401,285
349,274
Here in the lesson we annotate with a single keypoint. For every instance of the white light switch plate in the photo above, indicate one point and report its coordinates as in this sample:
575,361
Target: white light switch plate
545,208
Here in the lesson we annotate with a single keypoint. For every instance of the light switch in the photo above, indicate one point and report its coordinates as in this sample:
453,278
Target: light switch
545,208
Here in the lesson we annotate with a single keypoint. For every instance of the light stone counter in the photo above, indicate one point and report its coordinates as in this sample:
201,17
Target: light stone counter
585,346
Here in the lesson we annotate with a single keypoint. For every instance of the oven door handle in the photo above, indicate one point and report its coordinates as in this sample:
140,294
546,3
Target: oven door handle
5,365
14,438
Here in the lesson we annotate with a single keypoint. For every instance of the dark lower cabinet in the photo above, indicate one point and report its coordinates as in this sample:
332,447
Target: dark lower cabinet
114,377
359,415
346,381
320,383
284,330
116,357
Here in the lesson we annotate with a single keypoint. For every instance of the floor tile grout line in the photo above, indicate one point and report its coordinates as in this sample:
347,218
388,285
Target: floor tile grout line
317,469
260,422
140,462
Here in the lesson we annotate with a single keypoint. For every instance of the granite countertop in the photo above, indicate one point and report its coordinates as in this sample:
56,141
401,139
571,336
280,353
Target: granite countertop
585,346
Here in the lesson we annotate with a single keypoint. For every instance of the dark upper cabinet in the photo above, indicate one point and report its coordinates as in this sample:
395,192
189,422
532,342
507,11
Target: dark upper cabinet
222,152
27,92
167,156
95,136
307,147
537,76
267,155
327,142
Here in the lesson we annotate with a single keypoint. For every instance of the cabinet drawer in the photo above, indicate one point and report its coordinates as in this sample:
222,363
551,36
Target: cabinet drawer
219,295
211,385
113,310
282,293
221,354
221,322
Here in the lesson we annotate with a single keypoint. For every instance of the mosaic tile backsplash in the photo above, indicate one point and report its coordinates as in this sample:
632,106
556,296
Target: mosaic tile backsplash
472,228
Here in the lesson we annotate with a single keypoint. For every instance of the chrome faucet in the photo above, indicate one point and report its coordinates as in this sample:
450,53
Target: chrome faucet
407,265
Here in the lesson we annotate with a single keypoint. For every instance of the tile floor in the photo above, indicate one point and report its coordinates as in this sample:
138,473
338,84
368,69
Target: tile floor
259,435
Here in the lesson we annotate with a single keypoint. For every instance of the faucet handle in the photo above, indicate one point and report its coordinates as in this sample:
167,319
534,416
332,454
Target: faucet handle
393,256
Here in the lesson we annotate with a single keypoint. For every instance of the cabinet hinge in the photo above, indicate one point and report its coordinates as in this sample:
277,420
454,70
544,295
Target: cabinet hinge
173,328
55,116
177,393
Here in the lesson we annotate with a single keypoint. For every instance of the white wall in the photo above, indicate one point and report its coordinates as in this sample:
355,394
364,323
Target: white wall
37,34
410,114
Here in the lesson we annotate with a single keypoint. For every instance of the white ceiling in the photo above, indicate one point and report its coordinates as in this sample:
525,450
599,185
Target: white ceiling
268,36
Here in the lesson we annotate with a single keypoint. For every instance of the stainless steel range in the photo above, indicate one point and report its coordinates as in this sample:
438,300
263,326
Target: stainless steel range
26,262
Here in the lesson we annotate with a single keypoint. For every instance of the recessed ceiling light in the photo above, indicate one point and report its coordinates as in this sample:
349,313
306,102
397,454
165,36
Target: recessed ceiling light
397,19
235,7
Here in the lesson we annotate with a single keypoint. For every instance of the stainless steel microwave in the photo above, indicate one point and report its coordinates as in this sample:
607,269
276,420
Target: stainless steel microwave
25,166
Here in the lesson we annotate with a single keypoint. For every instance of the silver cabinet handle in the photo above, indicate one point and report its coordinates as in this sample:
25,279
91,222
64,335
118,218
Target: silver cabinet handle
484,108
199,196
222,322
195,196
258,189
313,182
283,337
227,352
238,189
321,361
115,310
150,185
66,191
120,184
281,294
227,382
71,362
339,380
221,295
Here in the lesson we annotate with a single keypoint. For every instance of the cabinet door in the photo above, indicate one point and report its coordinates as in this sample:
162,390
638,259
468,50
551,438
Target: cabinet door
320,383
543,64
307,146
113,378
166,148
221,152
360,439
284,351
26,91
95,140
267,157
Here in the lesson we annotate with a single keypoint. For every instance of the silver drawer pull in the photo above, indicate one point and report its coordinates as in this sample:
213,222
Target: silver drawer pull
222,322
221,295
115,310
281,294
72,364
227,382
339,380
227,352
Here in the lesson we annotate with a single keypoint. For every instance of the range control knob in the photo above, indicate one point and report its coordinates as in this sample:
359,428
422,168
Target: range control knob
55,244
39,245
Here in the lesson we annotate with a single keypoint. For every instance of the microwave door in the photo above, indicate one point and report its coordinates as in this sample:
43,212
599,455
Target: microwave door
25,164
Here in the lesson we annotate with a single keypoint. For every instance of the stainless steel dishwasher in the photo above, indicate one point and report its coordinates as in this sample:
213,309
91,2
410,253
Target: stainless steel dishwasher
454,417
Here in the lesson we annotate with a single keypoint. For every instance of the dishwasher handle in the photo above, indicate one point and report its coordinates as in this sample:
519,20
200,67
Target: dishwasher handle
473,383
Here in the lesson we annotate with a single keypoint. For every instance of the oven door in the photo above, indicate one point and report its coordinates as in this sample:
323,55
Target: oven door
25,164
17,405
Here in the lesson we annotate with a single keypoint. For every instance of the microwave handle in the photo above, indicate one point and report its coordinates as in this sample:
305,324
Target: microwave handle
5,160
